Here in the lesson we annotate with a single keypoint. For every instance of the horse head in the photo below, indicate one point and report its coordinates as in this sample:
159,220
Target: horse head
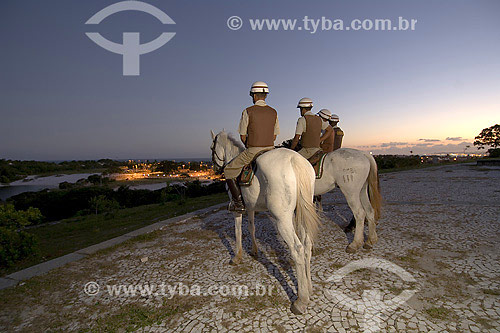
218,152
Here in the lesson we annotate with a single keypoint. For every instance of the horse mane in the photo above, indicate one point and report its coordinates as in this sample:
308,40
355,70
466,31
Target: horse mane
235,142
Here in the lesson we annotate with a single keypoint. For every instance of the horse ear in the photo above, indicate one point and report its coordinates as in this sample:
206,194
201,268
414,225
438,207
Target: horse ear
223,130
213,134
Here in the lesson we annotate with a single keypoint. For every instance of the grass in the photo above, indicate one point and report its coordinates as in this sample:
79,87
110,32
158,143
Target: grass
75,233
438,312
133,316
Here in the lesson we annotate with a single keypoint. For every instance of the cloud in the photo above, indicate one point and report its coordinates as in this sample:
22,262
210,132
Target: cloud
458,138
393,144
429,140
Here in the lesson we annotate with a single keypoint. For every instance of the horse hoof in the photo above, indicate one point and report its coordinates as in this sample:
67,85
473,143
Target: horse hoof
367,246
254,254
234,262
297,308
350,249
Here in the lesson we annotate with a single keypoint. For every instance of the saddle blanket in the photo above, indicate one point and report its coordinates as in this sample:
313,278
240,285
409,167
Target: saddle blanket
248,171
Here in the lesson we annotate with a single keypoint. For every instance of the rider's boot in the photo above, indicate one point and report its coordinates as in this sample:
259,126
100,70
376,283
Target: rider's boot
236,204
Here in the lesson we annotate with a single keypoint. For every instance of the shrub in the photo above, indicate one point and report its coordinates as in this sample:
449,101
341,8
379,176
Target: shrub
101,204
15,219
494,152
15,243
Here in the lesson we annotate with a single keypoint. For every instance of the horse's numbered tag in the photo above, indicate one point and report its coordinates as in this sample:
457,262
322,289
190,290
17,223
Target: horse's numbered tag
348,175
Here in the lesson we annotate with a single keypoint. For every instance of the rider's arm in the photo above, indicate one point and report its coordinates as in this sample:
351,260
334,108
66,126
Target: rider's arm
301,128
242,128
327,134
276,128
295,141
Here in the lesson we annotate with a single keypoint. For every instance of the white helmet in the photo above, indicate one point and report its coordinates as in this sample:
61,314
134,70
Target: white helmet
334,117
325,114
305,103
259,87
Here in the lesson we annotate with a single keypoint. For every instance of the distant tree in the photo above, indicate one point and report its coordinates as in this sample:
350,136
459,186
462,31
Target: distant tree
95,179
101,204
66,185
166,166
111,170
488,137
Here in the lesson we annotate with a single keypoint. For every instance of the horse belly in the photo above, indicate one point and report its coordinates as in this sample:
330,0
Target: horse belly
253,196
323,185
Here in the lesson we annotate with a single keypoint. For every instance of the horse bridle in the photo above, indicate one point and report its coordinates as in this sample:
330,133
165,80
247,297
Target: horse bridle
215,155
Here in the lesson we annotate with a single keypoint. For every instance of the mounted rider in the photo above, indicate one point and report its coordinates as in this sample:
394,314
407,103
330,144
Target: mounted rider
308,129
327,138
258,129
338,134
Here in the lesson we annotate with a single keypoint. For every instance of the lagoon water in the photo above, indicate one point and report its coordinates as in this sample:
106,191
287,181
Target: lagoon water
36,183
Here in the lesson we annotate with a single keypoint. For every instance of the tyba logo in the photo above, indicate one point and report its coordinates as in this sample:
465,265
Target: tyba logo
131,49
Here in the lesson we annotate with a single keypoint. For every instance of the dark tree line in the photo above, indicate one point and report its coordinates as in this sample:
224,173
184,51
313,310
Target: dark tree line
12,170
489,137
59,204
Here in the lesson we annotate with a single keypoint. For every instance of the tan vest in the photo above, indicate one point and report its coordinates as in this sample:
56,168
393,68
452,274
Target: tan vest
327,144
338,134
310,138
261,121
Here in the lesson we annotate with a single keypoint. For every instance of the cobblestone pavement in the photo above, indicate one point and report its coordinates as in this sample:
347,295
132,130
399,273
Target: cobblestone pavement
440,227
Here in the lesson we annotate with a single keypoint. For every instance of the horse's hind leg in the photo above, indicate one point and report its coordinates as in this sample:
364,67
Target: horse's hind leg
238,218
370,216
286,230
359,214
307,242
317,200
308,253
251,228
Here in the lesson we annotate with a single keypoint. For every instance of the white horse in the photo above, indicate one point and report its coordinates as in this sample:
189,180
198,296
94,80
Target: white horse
355,173
283,184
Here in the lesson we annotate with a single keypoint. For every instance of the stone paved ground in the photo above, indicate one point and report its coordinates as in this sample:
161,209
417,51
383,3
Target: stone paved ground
439,225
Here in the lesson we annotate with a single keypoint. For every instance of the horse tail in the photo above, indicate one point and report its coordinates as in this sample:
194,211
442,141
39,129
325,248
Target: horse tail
306,215
374,187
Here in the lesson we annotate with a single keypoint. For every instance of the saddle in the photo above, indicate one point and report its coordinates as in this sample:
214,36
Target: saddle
317,162
246,176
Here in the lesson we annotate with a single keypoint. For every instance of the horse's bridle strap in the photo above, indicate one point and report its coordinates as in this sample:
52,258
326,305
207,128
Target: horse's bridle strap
215,155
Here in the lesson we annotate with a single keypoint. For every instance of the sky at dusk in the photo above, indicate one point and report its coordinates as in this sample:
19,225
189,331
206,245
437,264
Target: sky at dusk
64,97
